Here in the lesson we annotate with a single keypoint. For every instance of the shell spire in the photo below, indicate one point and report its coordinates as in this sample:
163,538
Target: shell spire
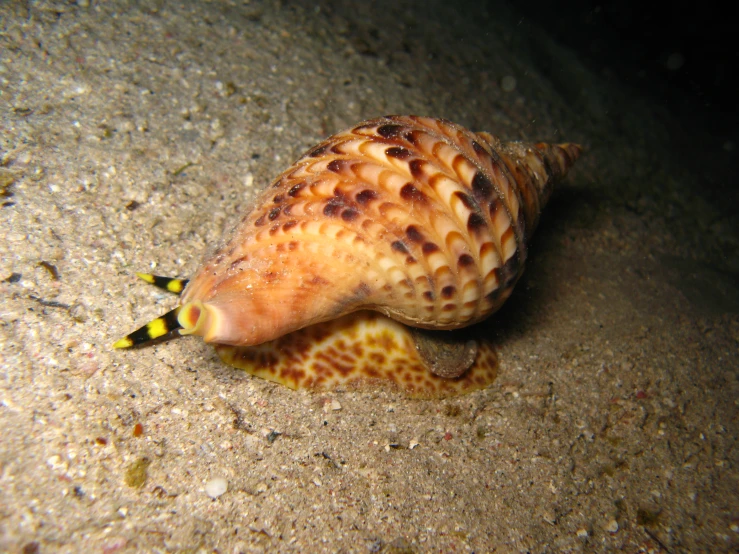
413,217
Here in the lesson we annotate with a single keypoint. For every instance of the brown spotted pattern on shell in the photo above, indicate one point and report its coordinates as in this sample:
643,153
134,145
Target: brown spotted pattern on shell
400,220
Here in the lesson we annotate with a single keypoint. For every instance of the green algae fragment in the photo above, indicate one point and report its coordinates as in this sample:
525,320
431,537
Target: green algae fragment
135,476
646,517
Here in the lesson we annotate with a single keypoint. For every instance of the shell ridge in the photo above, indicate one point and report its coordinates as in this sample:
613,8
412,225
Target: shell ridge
393,226
444,136
504,195
322,235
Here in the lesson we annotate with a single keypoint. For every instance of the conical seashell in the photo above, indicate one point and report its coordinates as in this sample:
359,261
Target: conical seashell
412,217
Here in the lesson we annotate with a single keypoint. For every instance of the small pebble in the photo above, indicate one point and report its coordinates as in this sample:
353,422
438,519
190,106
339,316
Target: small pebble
612,526
216,487
549,516
508,83
135,475
582,533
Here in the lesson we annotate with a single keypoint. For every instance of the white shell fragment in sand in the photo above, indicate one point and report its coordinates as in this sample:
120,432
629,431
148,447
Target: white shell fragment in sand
216,487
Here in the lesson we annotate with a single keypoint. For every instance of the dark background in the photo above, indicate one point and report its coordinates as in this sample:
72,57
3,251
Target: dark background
634,42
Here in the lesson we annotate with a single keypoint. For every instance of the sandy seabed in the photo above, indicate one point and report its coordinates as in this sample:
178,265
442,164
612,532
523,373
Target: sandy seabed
133,132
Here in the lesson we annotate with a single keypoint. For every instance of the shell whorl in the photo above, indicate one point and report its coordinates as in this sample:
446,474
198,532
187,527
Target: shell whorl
414,217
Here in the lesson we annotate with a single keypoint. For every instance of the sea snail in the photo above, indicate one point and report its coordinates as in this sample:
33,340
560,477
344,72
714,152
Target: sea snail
399,221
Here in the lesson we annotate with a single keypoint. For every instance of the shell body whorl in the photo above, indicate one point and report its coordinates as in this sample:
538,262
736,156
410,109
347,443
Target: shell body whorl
414,217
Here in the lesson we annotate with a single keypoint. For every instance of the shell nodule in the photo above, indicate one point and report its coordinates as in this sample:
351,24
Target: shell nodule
411,217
